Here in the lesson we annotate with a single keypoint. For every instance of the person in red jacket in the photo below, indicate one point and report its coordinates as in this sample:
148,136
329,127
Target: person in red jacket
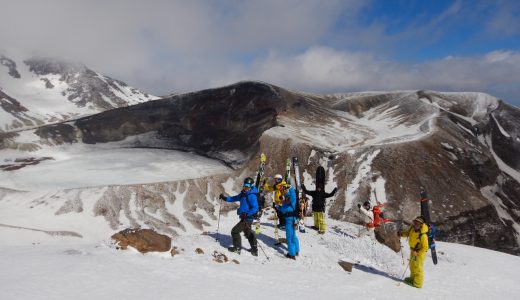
375,216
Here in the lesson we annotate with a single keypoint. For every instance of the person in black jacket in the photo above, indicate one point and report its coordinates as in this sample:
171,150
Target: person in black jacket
318,206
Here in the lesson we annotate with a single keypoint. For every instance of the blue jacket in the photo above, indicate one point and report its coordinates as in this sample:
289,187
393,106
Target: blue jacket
248,202
289,205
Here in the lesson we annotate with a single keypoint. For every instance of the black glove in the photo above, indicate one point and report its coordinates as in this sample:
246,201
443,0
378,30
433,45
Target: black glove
359,206
223,196
335,190
243,216
423,194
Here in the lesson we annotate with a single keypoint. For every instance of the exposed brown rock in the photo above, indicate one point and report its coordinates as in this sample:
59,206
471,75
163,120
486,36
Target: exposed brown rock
144,240
199,251
388,237
174,251
219,257
347,266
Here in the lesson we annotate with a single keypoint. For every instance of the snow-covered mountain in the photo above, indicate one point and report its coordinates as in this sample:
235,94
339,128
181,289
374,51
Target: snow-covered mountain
37,91
66,187
462,147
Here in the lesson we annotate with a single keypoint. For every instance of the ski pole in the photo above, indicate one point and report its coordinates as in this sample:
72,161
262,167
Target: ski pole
261,248
399,230
218,223
402,253
404,273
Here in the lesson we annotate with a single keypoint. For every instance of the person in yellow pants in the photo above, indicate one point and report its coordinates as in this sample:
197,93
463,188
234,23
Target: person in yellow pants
417,235
319,220
318,206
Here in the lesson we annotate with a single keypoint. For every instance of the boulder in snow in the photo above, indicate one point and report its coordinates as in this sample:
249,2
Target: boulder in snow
347,266
219,257
389,238
144,240
174,251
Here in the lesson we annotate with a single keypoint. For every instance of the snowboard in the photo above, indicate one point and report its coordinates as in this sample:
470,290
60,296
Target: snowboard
320,177
425,212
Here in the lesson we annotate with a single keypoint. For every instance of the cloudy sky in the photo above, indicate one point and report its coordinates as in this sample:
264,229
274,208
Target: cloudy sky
317,46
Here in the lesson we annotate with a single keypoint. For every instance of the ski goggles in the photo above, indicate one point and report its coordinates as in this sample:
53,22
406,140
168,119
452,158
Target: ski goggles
249,185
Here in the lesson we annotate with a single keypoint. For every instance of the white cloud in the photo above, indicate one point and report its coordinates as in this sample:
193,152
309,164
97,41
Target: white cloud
324,69
165,46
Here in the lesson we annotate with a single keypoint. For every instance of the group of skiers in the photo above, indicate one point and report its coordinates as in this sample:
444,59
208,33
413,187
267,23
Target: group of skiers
287,211
285,204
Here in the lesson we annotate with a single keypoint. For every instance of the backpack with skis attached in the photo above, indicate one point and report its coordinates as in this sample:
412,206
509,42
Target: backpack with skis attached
425,212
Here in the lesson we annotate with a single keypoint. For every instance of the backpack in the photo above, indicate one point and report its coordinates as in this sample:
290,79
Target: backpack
431,233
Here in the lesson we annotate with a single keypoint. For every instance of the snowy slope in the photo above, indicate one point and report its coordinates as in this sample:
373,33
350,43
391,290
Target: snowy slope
40,266
49,90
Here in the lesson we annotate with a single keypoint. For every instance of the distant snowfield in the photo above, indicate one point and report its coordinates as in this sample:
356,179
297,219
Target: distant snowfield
344,131
82,165
63,268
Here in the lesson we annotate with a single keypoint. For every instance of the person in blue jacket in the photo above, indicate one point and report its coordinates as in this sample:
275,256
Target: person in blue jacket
289,210
247,211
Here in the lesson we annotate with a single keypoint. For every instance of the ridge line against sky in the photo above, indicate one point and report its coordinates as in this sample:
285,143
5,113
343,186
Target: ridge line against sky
329,46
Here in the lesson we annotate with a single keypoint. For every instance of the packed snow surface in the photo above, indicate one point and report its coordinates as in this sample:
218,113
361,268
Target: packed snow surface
39,266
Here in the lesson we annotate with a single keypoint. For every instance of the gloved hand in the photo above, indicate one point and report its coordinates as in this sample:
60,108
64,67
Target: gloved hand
243,216
335,190
223,196
414,253
359,206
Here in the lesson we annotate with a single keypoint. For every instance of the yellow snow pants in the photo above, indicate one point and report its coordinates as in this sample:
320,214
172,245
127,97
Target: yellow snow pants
416,270
319,220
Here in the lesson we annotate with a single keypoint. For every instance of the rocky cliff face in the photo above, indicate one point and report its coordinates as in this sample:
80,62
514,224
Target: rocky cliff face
462,147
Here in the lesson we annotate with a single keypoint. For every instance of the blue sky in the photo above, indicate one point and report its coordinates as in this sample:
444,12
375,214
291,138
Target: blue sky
329,46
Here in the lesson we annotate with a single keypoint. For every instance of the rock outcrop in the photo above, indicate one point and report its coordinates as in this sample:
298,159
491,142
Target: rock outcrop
144,240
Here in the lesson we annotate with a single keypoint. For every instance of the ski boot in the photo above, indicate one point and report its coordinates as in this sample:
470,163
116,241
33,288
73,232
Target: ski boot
234,250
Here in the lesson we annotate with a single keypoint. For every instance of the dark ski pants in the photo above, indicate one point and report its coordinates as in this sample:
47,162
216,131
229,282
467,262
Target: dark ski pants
293,244
280,216
243,226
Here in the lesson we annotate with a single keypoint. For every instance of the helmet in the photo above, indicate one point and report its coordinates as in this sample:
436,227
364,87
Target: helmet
278,177
419,219
249,182
366,205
